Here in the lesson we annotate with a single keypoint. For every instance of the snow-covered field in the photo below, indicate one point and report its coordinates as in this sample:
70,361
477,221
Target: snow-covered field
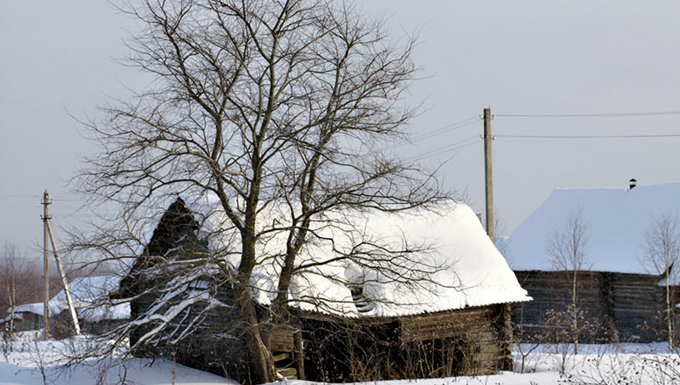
43,362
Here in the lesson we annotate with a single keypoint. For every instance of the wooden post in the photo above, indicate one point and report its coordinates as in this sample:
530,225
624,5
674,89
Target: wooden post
488,175
506,333
49,236
298,354
46,252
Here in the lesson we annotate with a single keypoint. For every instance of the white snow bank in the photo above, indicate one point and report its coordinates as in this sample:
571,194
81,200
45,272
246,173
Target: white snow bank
643,364
136,371
23,363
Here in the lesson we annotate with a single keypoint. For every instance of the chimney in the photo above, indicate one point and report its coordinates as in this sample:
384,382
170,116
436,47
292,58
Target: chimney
632,183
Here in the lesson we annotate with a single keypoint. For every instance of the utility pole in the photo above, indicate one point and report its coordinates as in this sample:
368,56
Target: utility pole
46,252
62,274
488,175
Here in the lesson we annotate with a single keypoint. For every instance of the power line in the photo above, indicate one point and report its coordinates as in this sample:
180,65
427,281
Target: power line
591,115
448,128
451,147
475,141
589,136
38,197
445,150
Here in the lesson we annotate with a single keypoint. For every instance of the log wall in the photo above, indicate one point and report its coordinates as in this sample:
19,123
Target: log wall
618,306
473,341
215,345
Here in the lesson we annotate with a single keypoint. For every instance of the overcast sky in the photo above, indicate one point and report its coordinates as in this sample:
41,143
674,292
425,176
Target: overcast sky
58,61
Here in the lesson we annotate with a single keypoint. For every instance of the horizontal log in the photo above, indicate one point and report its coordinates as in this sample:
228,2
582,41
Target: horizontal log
288,373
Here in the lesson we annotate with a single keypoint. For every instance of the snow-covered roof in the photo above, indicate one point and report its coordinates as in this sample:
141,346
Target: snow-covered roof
617,220
17,316
35,308
88,295
473,272
469,271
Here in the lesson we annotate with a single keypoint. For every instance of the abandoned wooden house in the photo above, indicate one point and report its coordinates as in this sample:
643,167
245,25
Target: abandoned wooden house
349,324
96,314
26,317
621,291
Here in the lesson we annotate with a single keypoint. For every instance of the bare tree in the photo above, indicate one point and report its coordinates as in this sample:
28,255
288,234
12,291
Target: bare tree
280,111
661,253
20,282
567,251
501,241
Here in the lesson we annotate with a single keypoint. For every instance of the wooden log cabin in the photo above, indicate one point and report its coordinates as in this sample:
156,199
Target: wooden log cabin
621,285
457,322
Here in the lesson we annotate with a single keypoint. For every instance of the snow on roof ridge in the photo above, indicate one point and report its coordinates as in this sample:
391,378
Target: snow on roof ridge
482,273
626,188
486,277
618,220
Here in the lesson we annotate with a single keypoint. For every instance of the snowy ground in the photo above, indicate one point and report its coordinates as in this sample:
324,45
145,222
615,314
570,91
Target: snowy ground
30,362
37,363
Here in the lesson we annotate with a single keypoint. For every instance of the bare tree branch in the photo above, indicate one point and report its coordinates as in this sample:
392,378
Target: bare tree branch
279,110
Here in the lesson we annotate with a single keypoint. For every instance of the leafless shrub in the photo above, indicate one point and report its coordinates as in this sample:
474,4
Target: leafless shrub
567,249
559,333
661,254
627,369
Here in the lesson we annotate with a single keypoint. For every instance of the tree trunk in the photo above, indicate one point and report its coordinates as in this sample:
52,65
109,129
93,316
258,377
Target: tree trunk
574,299
12,307
669,312
260,361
